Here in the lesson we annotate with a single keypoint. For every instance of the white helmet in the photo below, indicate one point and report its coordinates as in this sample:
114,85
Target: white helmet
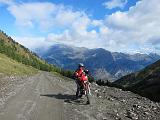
81,65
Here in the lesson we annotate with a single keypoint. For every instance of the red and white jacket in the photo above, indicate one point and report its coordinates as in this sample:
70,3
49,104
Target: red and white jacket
80,74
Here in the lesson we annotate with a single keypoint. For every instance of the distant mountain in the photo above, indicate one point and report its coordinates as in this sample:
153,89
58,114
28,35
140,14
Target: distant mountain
145,82
99,61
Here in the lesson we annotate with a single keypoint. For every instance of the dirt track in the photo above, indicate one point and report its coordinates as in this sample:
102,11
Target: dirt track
41,97
50,97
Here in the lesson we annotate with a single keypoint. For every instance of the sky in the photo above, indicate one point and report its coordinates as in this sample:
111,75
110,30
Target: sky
128,26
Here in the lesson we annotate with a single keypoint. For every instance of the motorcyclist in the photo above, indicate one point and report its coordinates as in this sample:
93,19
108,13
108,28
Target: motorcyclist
80,75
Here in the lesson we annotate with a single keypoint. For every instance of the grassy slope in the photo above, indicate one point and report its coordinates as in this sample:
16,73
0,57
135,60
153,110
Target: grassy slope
10,42
145,82
9,67
21,54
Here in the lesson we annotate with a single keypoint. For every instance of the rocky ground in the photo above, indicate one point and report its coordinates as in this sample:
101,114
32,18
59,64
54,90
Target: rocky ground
8,86
47,96
125,105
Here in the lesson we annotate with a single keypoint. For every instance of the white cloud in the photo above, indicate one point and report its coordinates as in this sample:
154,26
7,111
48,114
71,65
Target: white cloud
46,15
7,2
137,30
32,42
138,27
87,39
74,24
27,14
115,4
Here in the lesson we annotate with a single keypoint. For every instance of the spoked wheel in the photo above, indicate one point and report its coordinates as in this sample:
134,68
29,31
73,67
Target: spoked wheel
88,92
88,98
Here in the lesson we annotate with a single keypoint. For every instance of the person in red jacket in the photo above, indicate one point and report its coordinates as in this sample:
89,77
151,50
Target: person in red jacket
80,75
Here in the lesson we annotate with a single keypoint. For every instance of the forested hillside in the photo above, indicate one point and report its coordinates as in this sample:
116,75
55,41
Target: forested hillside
146,82
23,55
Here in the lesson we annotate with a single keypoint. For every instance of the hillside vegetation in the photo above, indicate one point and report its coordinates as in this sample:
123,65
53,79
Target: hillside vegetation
145,82
9,66
23,55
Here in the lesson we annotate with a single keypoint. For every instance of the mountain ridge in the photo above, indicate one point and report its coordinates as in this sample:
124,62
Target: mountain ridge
145,82
116,64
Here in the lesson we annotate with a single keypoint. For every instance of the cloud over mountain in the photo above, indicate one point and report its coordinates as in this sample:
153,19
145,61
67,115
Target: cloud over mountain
134,30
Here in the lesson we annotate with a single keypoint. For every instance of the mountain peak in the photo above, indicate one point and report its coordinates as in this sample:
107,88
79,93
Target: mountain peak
116,64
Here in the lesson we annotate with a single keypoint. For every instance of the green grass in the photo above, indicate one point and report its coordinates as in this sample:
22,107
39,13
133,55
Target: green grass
10,67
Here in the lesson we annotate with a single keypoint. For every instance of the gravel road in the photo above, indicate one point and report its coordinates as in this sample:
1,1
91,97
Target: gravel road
47,96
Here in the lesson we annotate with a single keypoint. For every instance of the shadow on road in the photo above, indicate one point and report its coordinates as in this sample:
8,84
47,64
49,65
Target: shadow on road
60,96
66,97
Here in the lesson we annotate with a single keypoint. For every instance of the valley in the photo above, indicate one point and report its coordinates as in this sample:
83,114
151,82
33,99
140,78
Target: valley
32,89
102,64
